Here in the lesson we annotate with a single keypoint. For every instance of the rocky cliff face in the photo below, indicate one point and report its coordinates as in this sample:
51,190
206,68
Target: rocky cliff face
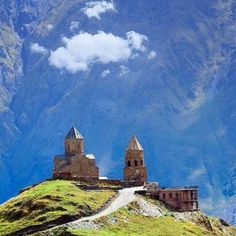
177,95
18,21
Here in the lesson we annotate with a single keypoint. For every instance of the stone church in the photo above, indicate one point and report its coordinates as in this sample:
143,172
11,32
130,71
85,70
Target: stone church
135,173
75,163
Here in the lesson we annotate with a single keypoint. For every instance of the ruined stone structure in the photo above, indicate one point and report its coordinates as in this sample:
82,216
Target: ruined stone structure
75,163
135,173
181,199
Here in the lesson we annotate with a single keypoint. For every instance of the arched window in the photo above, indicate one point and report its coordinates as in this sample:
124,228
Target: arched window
177,195
129,163
135,162
170,195
73,146
163,195
141,162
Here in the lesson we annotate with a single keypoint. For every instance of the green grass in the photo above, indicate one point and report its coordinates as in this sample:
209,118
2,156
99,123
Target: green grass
52,200
49,201
133,224
126,222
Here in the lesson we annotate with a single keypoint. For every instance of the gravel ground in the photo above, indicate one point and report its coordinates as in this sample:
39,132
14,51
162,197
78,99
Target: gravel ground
148,209
144,208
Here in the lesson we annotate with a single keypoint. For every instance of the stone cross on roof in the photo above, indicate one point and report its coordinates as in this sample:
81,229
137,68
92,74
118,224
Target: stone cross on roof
134,144
74,133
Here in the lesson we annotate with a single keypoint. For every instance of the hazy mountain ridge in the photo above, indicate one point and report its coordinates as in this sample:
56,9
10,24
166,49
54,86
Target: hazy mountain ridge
15,26
180,104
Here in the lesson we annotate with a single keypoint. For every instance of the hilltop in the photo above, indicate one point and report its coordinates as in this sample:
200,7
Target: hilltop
48,204
43,209
180,99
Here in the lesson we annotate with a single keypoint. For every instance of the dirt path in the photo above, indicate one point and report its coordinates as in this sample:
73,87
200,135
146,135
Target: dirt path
125,196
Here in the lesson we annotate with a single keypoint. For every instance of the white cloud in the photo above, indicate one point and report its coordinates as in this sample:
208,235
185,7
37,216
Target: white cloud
123,70
74,25
151,55
85,49
49,27
96,8
136,40
105,73
36,48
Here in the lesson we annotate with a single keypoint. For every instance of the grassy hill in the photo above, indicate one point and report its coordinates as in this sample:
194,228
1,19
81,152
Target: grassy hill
127,222
131,220
49,203
55,202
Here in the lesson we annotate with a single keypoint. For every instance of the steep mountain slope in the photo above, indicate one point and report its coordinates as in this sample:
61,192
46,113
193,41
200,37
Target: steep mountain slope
18,21
42,210
180,103
48,204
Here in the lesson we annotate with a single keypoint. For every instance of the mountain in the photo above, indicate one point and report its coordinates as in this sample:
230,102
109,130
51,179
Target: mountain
163,70
44,208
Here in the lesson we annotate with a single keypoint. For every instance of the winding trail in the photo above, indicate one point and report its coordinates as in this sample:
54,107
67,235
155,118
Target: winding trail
125,196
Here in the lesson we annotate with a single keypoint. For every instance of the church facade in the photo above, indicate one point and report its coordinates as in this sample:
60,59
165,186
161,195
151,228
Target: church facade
74,163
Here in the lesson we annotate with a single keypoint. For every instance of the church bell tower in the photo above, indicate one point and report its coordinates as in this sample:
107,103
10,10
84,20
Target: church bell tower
135,173
74,143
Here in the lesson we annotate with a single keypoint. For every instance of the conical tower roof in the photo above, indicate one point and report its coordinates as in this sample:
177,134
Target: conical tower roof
74,133
134,144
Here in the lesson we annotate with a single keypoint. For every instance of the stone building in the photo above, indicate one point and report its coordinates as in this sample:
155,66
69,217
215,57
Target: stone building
181,198
75,163
135,173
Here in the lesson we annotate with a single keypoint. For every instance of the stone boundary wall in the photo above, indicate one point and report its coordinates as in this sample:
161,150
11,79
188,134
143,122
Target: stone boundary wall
111,182
86,184
106,204
96,187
